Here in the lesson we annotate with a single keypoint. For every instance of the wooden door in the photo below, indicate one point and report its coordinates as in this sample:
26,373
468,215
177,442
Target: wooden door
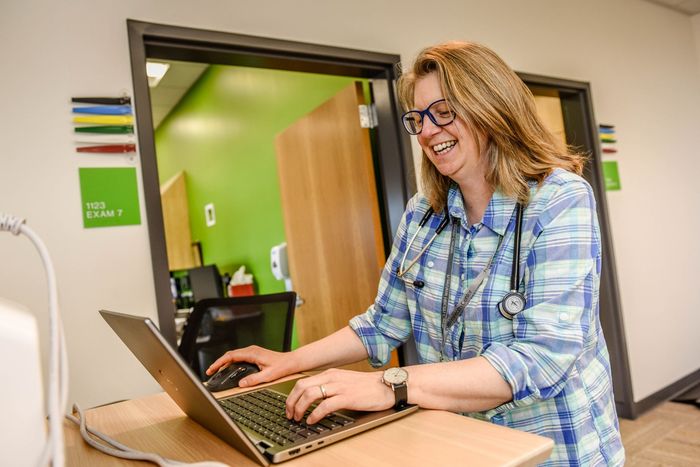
549,110
331,215
176,222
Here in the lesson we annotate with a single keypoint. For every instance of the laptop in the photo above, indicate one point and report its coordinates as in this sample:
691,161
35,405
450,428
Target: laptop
253,422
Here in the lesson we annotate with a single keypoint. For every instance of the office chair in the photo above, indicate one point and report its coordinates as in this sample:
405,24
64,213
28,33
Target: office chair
217,325
205,282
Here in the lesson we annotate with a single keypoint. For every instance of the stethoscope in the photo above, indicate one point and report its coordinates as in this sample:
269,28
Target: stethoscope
509,306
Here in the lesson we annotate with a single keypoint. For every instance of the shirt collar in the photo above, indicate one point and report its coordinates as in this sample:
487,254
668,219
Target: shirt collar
455,203
498,212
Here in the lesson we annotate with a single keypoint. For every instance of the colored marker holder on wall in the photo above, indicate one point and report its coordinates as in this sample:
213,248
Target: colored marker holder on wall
608,139
103,125
108,149
106,129
105,119
104,110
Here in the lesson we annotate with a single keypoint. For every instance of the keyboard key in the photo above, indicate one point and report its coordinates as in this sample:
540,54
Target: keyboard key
293,437
341,420
329,424
317,428
307,433
281,440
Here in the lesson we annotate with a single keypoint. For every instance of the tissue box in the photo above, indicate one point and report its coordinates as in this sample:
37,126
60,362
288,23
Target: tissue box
241,290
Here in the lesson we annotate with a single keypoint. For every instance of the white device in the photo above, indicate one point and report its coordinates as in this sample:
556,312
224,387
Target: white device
278,261
280,267
23,423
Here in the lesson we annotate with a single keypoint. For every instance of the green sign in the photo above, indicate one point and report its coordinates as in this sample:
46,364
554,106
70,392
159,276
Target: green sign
612,176
109,197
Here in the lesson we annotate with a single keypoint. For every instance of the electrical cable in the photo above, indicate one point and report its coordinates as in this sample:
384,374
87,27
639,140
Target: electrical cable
114,448
58,369
53,452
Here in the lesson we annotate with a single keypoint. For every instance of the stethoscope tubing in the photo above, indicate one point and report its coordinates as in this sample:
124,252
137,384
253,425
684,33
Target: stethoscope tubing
515,269
401,271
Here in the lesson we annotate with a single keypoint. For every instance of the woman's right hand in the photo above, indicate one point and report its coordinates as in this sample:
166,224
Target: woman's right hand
273,365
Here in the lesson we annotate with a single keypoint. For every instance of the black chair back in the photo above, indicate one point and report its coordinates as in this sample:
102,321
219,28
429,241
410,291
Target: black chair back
217,325
205,282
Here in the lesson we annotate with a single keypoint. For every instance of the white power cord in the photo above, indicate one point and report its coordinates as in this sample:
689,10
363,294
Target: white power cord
117,449
58,361
58,377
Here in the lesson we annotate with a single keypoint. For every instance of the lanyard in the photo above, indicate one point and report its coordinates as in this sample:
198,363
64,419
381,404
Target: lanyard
448,322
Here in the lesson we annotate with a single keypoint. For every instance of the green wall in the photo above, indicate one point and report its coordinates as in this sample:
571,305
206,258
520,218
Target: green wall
222,135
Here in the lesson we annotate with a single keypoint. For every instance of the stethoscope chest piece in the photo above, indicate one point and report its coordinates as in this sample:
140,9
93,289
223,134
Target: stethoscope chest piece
512,304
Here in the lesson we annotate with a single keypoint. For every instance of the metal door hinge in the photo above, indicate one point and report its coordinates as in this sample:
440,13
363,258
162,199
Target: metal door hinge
368,116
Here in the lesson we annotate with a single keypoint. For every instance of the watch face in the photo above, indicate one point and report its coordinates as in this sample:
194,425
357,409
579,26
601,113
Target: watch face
395,376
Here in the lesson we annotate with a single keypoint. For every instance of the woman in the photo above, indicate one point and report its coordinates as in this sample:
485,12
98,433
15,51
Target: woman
493,177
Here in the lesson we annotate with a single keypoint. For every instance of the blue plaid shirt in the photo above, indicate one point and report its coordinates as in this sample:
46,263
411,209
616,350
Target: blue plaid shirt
553,354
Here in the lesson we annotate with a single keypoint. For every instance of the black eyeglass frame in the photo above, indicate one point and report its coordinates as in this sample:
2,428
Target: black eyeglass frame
422,114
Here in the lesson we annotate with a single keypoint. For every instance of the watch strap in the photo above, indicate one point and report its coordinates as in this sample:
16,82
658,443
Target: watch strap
401,395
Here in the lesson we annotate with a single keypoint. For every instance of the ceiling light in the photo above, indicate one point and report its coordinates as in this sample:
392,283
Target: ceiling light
155,72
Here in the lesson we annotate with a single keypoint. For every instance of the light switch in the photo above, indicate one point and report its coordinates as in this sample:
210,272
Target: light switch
209,214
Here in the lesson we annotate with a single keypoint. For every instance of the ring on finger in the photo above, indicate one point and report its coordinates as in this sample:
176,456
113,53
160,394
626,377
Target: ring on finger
324,394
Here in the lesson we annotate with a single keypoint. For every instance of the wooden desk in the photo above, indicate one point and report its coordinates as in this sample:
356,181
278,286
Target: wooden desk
427,437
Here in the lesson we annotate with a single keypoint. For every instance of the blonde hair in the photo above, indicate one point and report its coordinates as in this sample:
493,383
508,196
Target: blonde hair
492,100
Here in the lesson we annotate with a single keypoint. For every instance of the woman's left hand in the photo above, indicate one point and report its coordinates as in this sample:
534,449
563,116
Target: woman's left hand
344,389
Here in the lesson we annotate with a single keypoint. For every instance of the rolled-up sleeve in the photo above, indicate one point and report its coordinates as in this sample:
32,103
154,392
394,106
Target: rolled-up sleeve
387,324
561,279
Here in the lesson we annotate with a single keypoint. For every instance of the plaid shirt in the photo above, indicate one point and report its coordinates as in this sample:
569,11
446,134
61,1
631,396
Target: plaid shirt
553,354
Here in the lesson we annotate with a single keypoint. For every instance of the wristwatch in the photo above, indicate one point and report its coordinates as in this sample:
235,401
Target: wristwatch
396,379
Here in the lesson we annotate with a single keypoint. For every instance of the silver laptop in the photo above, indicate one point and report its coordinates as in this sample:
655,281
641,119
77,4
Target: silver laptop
253,422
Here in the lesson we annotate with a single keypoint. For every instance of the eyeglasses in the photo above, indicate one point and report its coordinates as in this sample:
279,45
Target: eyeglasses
438,112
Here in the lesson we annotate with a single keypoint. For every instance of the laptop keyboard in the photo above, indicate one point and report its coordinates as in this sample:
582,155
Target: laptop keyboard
263,411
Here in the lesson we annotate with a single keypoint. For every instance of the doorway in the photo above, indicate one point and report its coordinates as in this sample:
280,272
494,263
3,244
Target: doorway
161,42
216,146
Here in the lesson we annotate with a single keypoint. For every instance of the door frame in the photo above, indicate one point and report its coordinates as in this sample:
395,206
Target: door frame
582,133
393,158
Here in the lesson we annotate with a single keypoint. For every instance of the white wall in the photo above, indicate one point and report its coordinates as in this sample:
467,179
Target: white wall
641,60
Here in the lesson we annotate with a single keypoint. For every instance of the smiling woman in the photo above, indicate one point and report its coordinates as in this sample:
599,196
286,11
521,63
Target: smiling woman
541,364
